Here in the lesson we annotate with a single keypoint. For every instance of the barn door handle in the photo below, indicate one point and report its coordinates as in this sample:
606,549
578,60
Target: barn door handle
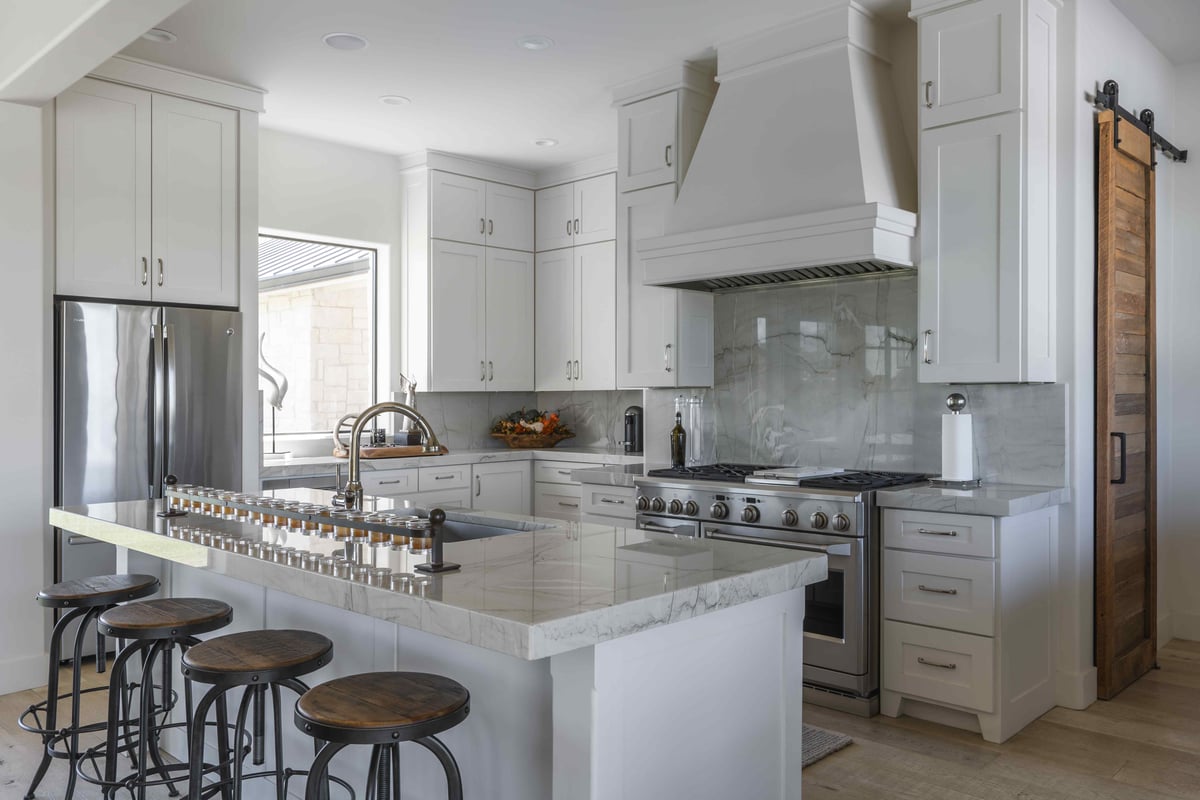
1121,439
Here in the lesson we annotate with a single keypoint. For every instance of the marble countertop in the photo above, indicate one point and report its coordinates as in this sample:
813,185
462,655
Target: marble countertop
611,475
989,500
302,466
530,594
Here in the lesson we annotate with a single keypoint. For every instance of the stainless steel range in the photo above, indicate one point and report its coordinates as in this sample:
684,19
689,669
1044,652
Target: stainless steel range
806,508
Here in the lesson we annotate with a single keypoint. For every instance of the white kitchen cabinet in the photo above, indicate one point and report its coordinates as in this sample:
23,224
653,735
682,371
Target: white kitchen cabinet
583,212
475,211
657,137
608,505
575,335
146,196
557,500
970,61
481,318
664,336
968,629
502,487
987,278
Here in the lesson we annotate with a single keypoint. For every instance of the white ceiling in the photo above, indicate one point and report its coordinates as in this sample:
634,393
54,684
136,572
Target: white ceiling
1173,26
474,91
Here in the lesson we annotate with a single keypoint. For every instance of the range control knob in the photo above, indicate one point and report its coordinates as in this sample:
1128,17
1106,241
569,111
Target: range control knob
818,519
643,502
658,505
690,508
841,522
675,507
750,514
791,518
719,510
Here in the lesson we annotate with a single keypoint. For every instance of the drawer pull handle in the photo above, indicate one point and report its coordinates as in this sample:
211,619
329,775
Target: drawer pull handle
939,665
610,501
929,532
935,590
568,505
563,471
387,483
442,477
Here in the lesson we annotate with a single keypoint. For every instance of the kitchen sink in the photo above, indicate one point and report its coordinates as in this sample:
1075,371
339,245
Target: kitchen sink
456,530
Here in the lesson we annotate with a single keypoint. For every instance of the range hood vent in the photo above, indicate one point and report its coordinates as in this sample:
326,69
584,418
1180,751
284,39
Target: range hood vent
802,171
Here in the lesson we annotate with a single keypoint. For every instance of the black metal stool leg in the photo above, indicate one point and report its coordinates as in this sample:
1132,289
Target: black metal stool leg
51,695
320,768
395,753
239,726
449,765
73,738
224,751
118,699
196,741
164,709
277,719
373,773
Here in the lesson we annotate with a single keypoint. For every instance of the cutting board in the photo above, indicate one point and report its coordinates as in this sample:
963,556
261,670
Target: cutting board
390,451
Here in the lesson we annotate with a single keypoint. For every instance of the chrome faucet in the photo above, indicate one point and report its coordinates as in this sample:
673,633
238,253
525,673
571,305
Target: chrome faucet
353,494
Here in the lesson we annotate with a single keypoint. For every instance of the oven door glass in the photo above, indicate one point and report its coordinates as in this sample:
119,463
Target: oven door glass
825,607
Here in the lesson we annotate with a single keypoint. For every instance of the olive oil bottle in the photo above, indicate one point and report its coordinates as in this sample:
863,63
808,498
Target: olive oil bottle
678,443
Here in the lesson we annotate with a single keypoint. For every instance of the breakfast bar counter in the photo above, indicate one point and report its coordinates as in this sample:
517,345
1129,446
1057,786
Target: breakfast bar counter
587,648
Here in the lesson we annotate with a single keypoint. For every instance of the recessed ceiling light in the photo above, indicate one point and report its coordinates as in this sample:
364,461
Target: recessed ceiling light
394,100
545,142
535,42
344,41
159,35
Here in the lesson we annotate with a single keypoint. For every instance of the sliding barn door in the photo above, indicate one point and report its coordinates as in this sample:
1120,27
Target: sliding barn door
1126,573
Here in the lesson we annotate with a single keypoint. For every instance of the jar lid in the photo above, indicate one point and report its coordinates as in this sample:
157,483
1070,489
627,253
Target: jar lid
418,524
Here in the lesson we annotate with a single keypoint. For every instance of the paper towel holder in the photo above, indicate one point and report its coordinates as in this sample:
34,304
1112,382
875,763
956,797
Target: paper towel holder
956,402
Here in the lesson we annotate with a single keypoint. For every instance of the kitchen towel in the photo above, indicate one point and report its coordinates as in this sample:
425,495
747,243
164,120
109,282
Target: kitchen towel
958,460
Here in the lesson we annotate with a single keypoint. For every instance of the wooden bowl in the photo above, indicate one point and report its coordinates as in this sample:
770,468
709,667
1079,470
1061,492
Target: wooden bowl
527,441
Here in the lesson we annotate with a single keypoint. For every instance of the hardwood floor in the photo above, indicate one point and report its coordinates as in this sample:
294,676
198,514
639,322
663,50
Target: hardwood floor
1144,745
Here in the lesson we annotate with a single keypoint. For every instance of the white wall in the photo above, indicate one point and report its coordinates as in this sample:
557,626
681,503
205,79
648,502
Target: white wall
26,404
1179,425
314,187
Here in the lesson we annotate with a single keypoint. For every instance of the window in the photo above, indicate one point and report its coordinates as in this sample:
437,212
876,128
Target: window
316,306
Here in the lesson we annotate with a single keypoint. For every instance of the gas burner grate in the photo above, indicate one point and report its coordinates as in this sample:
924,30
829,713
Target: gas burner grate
864,481
711,472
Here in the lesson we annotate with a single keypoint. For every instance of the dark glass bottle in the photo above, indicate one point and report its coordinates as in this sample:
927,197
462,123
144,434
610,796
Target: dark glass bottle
678,443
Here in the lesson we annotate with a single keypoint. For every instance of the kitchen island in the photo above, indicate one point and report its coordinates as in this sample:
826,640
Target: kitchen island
603,662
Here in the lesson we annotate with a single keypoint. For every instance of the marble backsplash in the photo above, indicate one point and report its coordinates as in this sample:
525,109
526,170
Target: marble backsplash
826,374
463,420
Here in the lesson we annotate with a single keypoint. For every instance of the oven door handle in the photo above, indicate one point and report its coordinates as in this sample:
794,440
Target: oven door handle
656,528
827,549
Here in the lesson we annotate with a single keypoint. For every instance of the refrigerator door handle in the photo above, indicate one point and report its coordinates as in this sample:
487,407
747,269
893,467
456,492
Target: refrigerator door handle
169,399
157,409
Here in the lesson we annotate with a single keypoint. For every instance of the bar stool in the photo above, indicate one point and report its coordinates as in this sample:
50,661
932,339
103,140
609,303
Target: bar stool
258,661
383,709
154,628
87,598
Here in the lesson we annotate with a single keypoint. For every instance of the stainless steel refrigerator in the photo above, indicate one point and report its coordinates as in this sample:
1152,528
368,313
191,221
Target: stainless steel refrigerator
142,392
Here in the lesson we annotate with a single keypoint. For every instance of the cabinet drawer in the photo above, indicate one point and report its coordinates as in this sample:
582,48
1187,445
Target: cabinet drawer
955,534
386,483
437,478
556,471
443,498
942,591
608,501
557,501
944,666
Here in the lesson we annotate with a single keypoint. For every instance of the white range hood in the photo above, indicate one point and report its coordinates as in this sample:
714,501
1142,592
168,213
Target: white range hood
801,171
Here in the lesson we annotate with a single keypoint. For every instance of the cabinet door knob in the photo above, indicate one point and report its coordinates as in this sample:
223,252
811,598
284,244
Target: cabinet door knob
929,94
667,358
160,272
667,155
925,347
145,271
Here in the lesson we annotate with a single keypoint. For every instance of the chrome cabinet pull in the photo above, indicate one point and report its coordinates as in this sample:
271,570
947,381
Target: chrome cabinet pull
925,347
491,372
576,370
935,590
490,227
928,94
442,477
577,227
568,369
482,372
939,665
568,505
389,483
481,225
667,358
929,532
568,227
563,472
667,155
612,502
145,271
478,486
160,272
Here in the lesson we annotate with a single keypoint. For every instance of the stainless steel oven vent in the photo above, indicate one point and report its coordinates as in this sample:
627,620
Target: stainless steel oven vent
850,269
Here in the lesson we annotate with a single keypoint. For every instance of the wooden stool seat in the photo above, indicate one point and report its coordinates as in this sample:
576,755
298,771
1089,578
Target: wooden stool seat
382,707
167,618
257,657
98,590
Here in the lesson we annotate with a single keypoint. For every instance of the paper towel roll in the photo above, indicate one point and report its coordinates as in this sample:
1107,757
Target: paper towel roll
958,462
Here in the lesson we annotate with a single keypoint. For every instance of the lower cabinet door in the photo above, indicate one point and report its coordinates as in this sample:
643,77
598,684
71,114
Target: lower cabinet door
944,666
503,487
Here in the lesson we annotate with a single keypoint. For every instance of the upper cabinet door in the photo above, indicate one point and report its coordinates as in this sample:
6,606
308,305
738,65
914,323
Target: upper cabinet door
648,142
555,217
103,191
970,58
595,316
509,217
595,209
195,203
510,312
646,315
457,208
554,336
969,283
458,291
